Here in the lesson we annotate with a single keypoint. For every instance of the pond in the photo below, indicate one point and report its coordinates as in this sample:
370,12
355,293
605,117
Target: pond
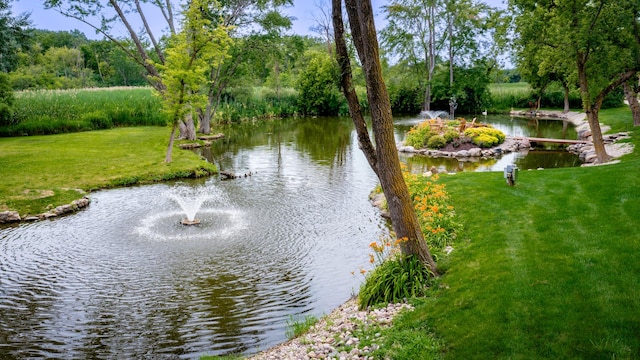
124,279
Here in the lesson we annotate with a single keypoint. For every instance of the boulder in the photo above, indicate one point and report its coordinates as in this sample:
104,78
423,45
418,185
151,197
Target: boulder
461,154
475,152
9,216
409,149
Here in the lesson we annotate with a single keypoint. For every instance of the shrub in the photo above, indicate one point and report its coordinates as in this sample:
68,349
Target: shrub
451,135
436,142
6,101
6,114
98,120
396,279
485,136
418,135
436,215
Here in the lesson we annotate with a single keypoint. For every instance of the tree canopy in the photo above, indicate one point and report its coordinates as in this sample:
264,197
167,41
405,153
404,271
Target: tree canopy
598,41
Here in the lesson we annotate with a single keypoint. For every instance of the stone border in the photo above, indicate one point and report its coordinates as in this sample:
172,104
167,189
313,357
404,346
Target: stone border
7,217
510,144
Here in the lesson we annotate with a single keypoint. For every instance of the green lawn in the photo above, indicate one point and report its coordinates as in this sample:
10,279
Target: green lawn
38,171
547,269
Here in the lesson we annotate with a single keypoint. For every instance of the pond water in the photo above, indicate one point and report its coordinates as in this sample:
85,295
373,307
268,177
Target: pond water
124,279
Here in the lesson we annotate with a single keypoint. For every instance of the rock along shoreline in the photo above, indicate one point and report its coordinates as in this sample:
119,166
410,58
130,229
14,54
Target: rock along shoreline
13,216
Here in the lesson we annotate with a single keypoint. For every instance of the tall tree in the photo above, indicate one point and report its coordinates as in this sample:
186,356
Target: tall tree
257,27
603,39
383,158
413,31
13,36
188,57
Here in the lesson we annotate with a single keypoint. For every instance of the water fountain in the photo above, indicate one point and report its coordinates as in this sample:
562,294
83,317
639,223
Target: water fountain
191,200
433,114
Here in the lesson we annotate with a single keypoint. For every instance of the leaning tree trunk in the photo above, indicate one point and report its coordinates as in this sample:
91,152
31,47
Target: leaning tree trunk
384,158
167,158
631,94
591,111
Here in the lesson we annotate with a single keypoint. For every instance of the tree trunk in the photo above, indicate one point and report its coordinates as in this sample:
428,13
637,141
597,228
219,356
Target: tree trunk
567,108
167,158
592,111
631,94
387,162
190,128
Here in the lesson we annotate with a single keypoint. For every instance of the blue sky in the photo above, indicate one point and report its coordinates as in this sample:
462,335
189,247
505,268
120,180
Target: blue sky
305,12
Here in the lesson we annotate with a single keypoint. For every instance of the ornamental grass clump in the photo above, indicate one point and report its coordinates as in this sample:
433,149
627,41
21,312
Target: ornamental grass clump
396,278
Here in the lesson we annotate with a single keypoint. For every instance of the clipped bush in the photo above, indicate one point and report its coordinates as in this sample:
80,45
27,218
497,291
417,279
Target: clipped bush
418,135
485,136
436,142
451,135
396,279
98,120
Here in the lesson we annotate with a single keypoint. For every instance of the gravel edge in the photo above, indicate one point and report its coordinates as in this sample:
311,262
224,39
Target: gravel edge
334,333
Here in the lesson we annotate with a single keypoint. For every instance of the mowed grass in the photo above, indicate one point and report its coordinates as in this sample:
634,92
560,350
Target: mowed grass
547,269
40,171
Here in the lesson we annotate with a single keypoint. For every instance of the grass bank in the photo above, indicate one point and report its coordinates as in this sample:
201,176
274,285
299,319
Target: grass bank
547,269
38,171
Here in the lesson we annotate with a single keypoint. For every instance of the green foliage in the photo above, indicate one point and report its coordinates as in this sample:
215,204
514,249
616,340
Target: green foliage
485,136
13,36
98,120
395,280
62,111
296,328
405,98
470,87
247,103
418,135
436,142
318,85
191,53
450,135
6,101
436,215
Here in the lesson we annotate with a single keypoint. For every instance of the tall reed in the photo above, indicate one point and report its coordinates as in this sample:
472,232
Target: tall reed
42,112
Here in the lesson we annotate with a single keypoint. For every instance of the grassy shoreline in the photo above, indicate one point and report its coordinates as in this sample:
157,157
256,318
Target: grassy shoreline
547,269
43,171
